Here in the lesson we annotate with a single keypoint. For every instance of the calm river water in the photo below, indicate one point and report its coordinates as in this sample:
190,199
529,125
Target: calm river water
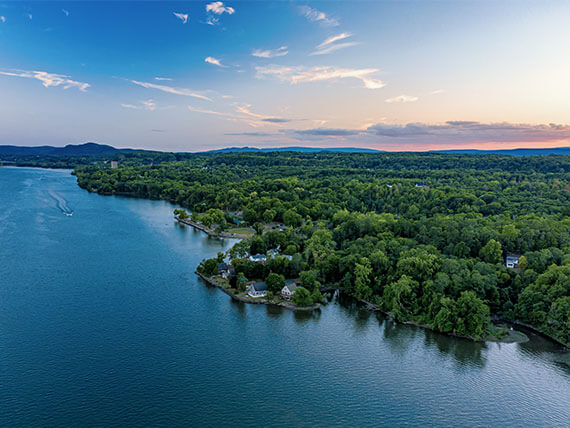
103,323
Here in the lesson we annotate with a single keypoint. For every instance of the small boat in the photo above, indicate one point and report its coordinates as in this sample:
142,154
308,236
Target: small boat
68,214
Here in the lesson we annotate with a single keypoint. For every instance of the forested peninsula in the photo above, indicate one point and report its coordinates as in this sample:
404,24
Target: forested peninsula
423,236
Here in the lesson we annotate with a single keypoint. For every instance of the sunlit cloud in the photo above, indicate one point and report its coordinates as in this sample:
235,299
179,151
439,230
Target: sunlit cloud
462,131
144,105
219,8
176,91
214,61
333,48
2,19
330,45
49,79
244,114
334,39
451,133
65,12
245,109
299,74
328,132
315,15
182,16
30,17
270,53
437,92
163,78
149,105
402,99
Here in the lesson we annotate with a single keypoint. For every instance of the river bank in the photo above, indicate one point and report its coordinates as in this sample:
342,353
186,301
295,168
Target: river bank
209,231
257,301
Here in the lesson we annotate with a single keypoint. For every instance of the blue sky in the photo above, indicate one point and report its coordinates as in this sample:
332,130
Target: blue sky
187,76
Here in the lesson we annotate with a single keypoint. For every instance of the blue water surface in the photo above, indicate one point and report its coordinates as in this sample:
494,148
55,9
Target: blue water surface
103,323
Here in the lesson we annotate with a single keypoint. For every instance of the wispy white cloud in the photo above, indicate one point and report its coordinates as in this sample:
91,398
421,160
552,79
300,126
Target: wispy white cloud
244,114
65,12
294,75
144,105
219,8
270,53
402,99
2,19
182,16
315,15
30,16
163,78
245,109
212,112
334,39
214,61
332,48
330,45
176,91
149,105
436,92
49,79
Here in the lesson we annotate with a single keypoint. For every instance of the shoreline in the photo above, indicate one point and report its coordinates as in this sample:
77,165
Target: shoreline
290,306
209,231
368,305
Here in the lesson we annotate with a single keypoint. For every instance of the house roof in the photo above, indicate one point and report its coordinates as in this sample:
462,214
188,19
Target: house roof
258,256
222,266
259,286
292,286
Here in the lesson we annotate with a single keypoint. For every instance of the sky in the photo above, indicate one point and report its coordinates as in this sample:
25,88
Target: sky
191,76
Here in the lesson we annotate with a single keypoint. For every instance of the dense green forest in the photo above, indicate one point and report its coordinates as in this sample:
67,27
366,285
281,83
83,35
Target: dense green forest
423,236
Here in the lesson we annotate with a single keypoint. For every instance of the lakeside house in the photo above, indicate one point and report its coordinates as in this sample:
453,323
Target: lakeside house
223,269
258,289
114,164
512,261
289,289
275,252
260,258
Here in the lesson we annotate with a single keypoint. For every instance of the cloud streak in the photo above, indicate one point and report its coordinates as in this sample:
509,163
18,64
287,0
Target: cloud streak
402,99
49,79
214,61
244,114
315,15
182,16
451,133
171,90
145,105
330,45
270,53
299,74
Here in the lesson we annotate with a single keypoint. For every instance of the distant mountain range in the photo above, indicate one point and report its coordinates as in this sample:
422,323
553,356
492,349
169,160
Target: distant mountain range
94,149
87,149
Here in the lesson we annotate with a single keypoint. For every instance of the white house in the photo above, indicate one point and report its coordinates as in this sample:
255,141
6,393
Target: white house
512,261
289,289
259,289
258,258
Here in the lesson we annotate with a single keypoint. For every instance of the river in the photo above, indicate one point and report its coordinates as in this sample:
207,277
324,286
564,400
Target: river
103,323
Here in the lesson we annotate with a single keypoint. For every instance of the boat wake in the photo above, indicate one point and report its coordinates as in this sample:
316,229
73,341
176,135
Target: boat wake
61,203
